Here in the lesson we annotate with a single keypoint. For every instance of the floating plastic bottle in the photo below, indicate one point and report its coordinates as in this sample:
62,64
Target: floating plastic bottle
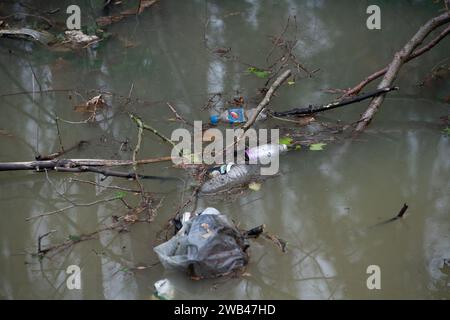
236,115
265,152
237,175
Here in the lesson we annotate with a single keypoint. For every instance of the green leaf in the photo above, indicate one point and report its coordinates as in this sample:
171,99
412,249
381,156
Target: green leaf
74,237
291,82
120,194
298,147
446,131
317,146
258,72
286,140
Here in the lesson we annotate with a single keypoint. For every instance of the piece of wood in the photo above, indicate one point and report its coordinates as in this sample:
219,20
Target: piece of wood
394,67
314,109
356,89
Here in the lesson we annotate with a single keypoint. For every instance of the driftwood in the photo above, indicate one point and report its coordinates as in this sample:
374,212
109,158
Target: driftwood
399,215
314,109
85,165
356,89
394,67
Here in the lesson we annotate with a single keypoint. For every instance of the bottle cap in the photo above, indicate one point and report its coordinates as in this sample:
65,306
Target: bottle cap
214,119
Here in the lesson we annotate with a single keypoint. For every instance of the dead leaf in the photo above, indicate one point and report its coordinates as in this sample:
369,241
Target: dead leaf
91,105
130,218
107,20
5,133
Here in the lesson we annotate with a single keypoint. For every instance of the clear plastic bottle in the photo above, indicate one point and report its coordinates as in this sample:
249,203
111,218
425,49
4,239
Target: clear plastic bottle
237,175
265,152
236,115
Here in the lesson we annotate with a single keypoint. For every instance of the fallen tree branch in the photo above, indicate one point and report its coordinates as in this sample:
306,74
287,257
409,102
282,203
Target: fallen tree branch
39,165
394,67
314,109
110,173
83,165
379,73
266,99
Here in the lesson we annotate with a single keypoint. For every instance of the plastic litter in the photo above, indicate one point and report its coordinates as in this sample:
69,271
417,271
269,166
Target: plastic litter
237,175
265,152
236,115
220,170
164,289
207,246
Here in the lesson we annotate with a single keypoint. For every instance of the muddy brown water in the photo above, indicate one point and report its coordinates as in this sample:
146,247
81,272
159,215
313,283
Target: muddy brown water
322,203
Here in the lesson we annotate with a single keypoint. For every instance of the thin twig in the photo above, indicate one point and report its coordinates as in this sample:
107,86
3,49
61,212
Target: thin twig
106,187
73,206
176,113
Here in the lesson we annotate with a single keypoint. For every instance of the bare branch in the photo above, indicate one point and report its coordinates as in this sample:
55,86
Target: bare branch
379,73
394,67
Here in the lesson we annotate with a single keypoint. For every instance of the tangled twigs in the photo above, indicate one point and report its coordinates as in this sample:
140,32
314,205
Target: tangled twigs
394,67
106,187
73,206
119,223
72,240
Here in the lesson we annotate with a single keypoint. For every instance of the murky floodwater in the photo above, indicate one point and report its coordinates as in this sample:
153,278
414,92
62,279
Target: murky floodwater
322,203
